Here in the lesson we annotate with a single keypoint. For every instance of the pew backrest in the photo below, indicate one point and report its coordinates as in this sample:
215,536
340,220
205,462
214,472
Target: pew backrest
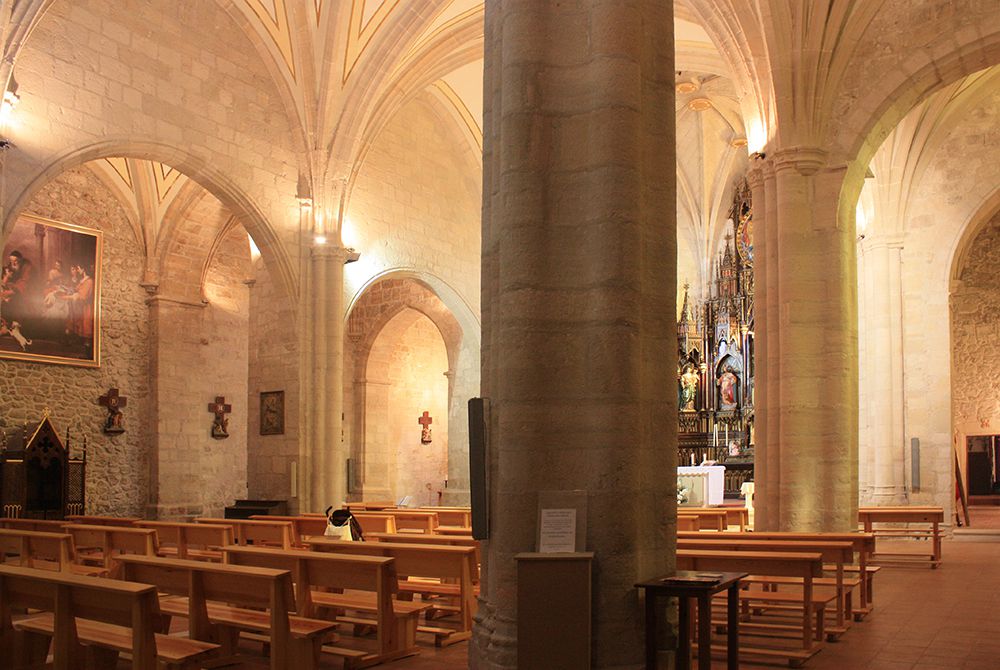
769,563
35,549
98,520
376,522
412,559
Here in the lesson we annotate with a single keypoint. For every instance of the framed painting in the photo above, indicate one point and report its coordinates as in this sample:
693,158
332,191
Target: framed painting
272,413
50,293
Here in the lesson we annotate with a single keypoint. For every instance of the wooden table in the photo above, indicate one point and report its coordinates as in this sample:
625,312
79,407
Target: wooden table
684,592
868,516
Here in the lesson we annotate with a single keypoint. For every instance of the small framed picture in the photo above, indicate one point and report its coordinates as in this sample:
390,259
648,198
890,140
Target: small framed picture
272,413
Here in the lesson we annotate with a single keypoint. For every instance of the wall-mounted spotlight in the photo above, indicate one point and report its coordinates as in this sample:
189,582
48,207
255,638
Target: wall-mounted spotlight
758,155
352,255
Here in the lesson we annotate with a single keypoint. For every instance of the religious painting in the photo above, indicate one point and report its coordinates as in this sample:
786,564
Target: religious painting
272,413
50,293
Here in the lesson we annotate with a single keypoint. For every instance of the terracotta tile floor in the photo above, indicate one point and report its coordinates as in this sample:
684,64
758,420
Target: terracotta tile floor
924,619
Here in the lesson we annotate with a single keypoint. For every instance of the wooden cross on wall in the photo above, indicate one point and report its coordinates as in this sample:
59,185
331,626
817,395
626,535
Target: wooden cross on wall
114,402
425,433
220,427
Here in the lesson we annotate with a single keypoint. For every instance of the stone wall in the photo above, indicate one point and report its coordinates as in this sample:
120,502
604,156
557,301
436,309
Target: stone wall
274,366
201,353
117,467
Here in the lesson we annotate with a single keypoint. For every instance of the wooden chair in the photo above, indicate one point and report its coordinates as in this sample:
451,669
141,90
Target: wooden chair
434,572
223,600
106,617
367,585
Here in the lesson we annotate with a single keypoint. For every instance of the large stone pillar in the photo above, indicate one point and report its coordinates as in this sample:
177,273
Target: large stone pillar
883,378
323,453
808,457
579,292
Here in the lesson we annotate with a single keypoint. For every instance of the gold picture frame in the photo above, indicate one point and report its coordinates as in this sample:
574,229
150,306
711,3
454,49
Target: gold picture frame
50,293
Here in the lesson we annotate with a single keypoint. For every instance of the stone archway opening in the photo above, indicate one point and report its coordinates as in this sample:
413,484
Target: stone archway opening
407,382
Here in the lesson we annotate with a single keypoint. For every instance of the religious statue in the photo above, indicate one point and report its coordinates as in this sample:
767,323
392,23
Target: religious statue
425,422
113,423
728,383
220,425
689,388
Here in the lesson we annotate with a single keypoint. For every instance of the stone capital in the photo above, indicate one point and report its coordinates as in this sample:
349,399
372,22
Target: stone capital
806,161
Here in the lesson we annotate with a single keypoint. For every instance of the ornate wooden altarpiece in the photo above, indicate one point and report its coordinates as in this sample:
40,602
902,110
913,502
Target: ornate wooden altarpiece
715,364
39,478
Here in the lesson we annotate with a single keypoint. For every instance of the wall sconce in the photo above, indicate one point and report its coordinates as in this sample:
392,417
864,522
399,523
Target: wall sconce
352,255
758,155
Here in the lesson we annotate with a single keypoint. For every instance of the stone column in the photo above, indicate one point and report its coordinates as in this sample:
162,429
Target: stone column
808,457
579,292
884,376
323,453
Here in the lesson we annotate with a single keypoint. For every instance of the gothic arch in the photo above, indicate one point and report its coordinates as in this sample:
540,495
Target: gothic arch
968,233
199,170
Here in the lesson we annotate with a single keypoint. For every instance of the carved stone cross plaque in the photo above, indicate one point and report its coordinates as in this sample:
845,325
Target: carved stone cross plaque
425,432
114,422
220,426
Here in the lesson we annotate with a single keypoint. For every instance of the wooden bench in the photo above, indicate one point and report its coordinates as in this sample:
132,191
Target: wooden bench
37,525
371,505
408,520
44,551
869,516
195,541
459,517
221,601
431,571
256,532
864,547
375,522
708,518
735,516
803,565
837,555
98,545
98,520
303,527
107,617
368,584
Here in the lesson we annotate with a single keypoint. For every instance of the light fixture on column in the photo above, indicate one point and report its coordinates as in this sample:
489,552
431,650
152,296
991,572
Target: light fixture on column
351,255
7,106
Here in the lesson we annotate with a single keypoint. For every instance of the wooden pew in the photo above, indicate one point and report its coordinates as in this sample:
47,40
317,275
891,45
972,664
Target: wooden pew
106,542
708,518
370,505
459,517
97,520
804,565
687,523
864,547
256,532
868,516
225,600
37,525
446,540
412,521
441,571
107,617
44,551
835,554
303,527
395,621
195,541
735,516
375,522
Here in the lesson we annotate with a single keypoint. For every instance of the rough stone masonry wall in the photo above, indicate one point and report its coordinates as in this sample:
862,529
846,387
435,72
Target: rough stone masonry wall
117,465
274,366
975,333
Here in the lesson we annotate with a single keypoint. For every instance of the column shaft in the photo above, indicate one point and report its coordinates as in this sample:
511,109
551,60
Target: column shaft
579,291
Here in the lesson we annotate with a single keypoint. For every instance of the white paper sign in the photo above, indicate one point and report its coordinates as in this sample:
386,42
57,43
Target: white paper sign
558,531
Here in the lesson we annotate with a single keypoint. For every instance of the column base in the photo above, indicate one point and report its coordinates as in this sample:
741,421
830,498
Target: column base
887,496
